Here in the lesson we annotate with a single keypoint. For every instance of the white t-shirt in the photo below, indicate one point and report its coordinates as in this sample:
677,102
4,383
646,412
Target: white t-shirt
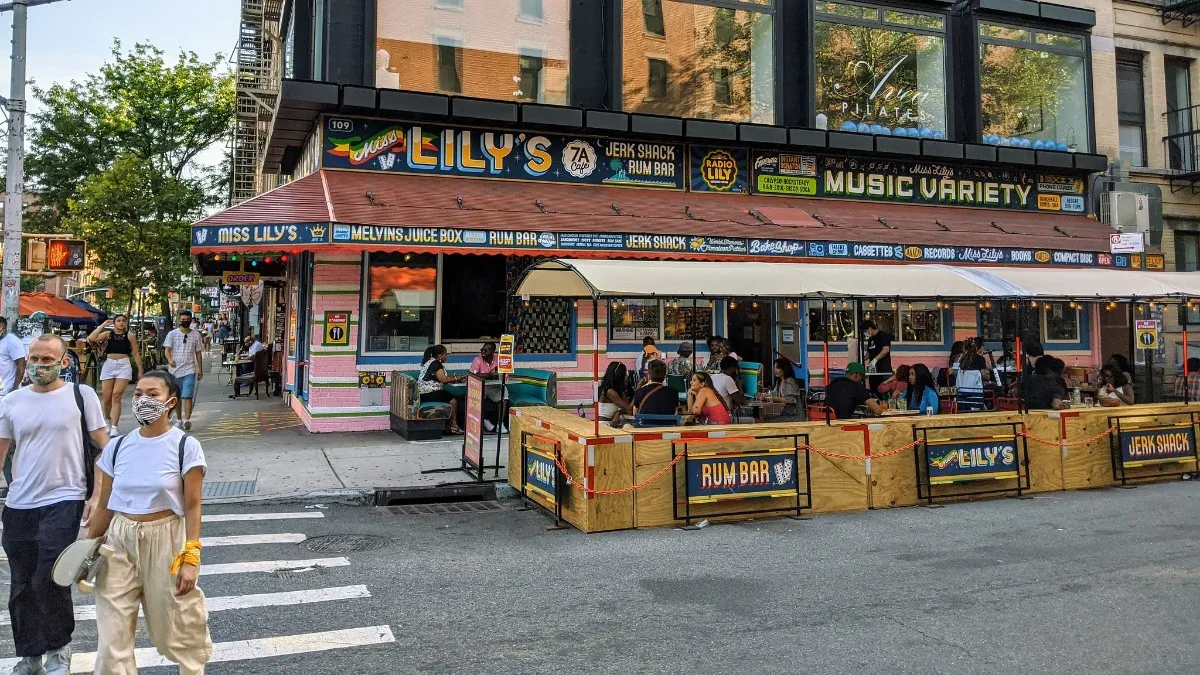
255,348
725,386
48,464
11,351
147,478
184,348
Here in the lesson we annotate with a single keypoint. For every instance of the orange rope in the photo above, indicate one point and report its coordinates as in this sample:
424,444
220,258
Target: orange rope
592,491
1068,444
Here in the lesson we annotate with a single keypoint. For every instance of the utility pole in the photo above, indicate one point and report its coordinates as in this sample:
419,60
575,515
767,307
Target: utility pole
11,279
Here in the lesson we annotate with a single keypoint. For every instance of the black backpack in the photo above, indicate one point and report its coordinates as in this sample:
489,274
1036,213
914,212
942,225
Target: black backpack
90,450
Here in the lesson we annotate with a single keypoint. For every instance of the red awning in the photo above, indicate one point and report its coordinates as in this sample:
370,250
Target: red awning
361,198
53,306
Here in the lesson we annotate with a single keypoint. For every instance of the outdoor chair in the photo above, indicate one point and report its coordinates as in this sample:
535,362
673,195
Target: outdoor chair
680,384
820,413
261,373
643,421
1008,403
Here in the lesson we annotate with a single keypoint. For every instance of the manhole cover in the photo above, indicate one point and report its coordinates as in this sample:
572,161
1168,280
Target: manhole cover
344,543
443,508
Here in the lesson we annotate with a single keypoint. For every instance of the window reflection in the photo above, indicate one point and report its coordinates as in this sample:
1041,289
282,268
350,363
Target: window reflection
695,60
1034,89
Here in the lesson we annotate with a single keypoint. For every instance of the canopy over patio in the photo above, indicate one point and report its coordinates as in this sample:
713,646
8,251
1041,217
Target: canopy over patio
576,278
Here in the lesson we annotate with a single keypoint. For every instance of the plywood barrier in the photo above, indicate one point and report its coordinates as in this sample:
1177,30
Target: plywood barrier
619,459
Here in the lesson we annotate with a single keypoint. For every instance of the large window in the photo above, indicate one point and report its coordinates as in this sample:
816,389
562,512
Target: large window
1049,322
1034,88
881,70
401,302
912,322
1187,259
632,320
693,58
1131,108
484,48
1181,148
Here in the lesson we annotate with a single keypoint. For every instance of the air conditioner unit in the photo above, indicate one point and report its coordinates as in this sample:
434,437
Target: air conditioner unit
1126,211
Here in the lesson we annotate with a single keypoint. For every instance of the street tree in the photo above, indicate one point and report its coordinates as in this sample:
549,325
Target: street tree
115,159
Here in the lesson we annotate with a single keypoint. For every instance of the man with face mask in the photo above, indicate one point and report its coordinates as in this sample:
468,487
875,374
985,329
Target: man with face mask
45,501
186,362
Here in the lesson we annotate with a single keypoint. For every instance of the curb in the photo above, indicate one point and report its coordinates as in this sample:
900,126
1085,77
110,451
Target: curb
347,497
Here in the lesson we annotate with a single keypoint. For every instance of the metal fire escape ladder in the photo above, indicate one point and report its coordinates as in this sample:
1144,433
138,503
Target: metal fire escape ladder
258,72
1186,12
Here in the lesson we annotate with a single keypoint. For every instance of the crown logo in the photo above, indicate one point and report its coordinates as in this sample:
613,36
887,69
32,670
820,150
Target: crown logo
318,231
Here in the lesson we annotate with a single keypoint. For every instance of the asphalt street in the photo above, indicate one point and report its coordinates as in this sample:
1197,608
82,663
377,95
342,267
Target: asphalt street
1104,581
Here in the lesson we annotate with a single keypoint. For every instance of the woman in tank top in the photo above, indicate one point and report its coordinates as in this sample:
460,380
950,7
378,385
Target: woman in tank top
120,347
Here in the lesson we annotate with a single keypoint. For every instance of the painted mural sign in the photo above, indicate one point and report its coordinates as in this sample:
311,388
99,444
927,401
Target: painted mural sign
415,148
1158,445
914,182
967,460
719,169
720,476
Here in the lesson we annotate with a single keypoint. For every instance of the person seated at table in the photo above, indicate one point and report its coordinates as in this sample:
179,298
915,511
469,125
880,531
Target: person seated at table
946,376
1189,385
253,346
705,402
682,363
614,394
1115,389
921,394
845,394
1123,366
895,386
786,391
431,384
484,364
973,375
718,349
1046,390
655,397
726,383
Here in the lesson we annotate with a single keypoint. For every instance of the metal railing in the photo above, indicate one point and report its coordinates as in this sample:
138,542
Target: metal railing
1181,147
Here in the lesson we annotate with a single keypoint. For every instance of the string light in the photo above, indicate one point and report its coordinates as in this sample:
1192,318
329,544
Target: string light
233,257
267,260
283,258
217,256
254,263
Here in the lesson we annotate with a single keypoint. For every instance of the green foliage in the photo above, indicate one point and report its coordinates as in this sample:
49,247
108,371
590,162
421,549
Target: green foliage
114,160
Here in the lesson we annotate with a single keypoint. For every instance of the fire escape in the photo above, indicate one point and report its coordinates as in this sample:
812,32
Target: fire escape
1186,12
258,78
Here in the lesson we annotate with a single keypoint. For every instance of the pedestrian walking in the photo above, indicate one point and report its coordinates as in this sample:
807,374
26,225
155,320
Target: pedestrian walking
12,359
149,489
185,361
49,421
121,353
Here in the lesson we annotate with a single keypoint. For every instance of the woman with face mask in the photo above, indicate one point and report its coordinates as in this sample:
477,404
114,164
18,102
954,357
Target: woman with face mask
150,483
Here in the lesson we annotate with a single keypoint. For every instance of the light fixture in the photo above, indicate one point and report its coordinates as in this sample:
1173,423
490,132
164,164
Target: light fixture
283,258
254,263
267,260
217,256
233,257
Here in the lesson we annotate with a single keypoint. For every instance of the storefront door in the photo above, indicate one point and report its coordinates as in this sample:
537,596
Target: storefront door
750,330
304,328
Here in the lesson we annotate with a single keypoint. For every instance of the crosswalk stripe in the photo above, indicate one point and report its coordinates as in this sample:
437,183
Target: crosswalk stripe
226,603
250,539
233,517
272,566
244,650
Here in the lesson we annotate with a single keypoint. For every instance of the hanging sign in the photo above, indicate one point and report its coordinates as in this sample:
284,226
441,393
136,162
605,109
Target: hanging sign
955,461
1158,445
505,360
337,329
1127,242
1147,333
432,149
239,278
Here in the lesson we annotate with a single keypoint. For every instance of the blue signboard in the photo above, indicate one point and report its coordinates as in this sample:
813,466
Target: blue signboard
958,461
416,148
715,477
1158,445
236,236
541,475
720,169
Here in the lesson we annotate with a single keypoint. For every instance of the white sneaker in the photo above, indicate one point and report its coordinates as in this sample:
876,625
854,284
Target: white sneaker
58,662
113,430
488,426
504,428
30,665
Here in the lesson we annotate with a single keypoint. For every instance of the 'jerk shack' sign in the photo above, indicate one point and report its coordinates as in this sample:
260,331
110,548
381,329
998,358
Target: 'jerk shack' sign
1157,445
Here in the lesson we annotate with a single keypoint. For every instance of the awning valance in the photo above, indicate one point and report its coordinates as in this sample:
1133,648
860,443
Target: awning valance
687,279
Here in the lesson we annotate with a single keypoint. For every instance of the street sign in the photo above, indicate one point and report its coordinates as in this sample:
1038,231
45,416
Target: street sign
1127,242
337,329
504,356
1147,333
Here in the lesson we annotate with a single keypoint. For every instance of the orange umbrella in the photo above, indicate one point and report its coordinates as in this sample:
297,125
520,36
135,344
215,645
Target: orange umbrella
52,306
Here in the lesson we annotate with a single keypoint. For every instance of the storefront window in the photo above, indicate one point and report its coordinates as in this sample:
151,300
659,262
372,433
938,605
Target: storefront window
1062,322
687,58
513,50
881,71
920,322
632,320
1034,88
1050,322
917,321
401,302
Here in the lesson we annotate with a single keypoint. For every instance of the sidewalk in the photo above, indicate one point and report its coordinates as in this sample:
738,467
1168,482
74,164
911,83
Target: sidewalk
259,449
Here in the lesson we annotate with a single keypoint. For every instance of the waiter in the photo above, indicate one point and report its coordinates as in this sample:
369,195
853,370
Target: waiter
879,354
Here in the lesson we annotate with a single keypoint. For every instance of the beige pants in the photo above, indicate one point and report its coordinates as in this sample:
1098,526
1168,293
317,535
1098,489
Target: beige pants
138,575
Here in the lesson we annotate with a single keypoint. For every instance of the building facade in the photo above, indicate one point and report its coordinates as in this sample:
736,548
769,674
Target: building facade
435,148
